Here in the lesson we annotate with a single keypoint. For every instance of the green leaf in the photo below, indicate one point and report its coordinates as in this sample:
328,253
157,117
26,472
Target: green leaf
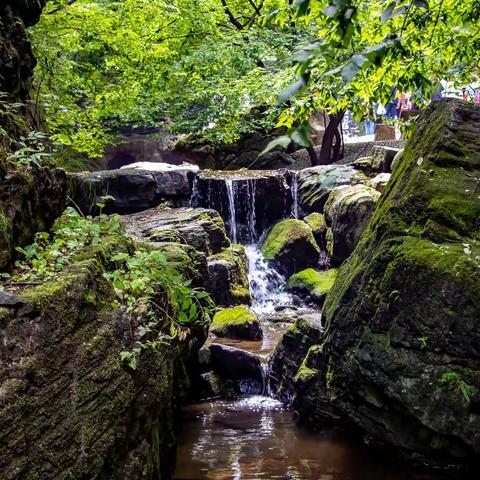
283,141
351,69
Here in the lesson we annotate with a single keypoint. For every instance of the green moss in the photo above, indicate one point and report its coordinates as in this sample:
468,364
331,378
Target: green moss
316,221
307,369
286,233
233,316
313,282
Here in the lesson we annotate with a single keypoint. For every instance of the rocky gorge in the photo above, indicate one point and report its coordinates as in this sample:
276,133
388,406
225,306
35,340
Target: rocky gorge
131,297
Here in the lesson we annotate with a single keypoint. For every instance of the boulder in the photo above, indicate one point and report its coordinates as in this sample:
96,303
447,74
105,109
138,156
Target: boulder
228,277
380,161
237,322
315,184
291,246
133,189
231,363
200,228
311,284
80,412
400,355
288,355
380,181
348,211
259,197
316,221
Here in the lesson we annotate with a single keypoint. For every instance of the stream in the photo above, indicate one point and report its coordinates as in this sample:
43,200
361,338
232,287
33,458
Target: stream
256,437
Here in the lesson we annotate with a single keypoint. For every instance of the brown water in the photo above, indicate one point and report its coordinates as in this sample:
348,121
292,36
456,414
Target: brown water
255,438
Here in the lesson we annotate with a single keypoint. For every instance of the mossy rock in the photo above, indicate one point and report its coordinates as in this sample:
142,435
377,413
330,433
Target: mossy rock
316,221
291,246
228,277
312,284
237,322
404,311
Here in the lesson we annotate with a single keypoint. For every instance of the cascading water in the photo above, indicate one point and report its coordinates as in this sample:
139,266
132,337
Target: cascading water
231,208
266,284
294,188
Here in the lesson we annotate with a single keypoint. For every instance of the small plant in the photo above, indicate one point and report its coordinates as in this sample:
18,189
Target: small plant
453,382
32,149
423,342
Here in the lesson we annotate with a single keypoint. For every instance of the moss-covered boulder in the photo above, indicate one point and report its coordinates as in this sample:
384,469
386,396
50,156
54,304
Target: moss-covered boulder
201,228
291,246
348,211
316,221
237,322
311,284
228,277
400,356
315,184
79,410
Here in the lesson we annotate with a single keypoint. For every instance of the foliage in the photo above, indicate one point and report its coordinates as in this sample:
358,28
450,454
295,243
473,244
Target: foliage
453,382
367,50
146,285
50,253
191,68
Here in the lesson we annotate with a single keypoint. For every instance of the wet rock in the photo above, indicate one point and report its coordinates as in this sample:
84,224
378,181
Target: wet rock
380,181
198,227
312,285
133,190
228,280
315,184
291,246
231,363
400,352
237,322
260,198
288,355
348,211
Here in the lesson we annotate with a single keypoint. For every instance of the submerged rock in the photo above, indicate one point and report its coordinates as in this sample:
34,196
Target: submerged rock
315,184
228,277
400,357
259,199
291,246
237,322
348,211
311,284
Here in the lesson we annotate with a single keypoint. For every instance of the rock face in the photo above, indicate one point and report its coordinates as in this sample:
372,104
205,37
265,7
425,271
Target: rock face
132,189
315,184
291,246
348,211
259,199
228,277
400,358
30,200
79,412
238,322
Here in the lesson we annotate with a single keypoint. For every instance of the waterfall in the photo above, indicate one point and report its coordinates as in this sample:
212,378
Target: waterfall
294,194
252,216
266,284
231,208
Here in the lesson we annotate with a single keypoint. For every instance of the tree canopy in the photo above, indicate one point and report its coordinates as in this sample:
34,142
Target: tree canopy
221,68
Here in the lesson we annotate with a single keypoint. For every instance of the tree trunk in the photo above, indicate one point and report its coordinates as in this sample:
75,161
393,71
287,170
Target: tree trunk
329,151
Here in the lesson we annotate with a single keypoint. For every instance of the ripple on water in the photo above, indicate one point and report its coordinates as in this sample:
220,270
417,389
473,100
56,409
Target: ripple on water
255,438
